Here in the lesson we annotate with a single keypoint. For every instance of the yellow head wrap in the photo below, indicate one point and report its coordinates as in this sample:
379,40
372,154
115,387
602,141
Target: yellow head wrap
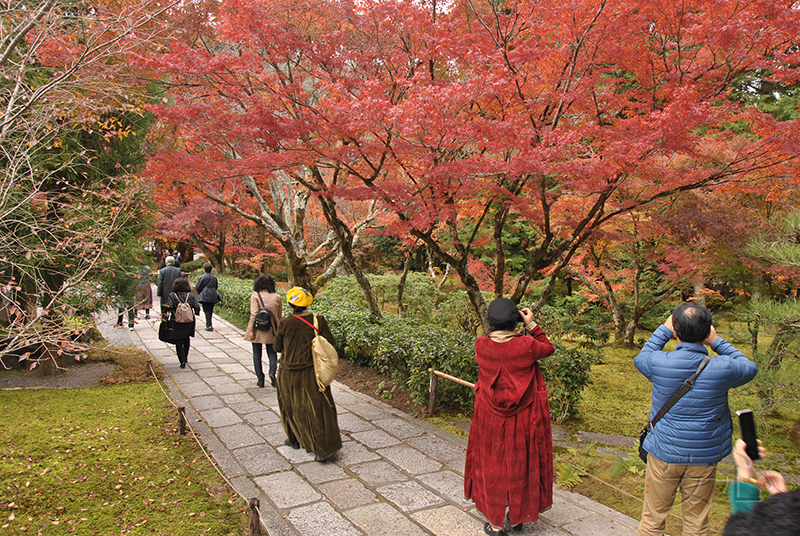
299,297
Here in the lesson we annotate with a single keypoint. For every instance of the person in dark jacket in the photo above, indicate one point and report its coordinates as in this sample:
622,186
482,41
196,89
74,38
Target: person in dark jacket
308,414
173,332
166,276
685,446
207,294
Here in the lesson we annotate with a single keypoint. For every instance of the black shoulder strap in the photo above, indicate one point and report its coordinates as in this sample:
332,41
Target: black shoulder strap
261,300
687,385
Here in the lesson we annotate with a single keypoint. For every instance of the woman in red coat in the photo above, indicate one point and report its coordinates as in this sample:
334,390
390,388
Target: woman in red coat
510,450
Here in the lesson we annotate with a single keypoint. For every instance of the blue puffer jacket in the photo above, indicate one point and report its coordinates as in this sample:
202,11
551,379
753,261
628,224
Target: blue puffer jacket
697,430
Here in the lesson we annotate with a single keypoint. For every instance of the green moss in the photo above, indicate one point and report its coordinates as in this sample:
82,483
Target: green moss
107,460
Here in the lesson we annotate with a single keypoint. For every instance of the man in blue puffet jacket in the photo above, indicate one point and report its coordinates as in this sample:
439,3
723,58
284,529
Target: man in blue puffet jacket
687,443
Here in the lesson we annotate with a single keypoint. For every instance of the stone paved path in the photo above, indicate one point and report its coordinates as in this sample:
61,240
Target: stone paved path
395,475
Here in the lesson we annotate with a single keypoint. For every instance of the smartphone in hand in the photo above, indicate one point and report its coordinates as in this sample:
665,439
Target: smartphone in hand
748,425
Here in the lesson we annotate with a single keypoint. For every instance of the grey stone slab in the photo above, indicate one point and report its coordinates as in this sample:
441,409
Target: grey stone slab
596,507
202,366
273,433
410,460
347,494
185,377
457,466
260,460
353,452
295,455
399,427
287,490
248,379
592,525
202,403
376,474
410,496
317,473
219,357
369,412
238,436
217,380
191,390
607,439
349,422
381,519
375,439
448,521
262,417
220,417
345,397
211,372
437,448
238,398
230,388
321,519
233,368
561,433
562,512
247,408
447,484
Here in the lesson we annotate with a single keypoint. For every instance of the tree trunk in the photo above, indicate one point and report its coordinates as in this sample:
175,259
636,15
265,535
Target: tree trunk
345,238
401,307
753,328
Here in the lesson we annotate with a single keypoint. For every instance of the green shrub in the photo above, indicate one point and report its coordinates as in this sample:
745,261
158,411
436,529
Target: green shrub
402,347
567,371
419,294
193,265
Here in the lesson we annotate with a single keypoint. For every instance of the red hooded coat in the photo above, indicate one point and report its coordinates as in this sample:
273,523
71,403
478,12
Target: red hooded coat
510,448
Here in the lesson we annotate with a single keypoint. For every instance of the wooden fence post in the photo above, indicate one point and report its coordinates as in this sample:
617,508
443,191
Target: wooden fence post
255,519
432,395
182,420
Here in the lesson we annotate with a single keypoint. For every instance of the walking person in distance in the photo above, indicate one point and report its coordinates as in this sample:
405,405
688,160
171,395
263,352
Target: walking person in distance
178,311
206,287
166,276
264,297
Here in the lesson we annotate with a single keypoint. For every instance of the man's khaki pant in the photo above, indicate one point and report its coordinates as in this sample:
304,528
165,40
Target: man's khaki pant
662,481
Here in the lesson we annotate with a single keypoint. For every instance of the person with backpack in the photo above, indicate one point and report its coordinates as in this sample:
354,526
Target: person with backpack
178,311
307,413
207,294
265,317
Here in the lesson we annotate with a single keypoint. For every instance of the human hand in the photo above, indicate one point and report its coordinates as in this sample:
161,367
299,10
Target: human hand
772,481
668,323
527,317
712,336
249,335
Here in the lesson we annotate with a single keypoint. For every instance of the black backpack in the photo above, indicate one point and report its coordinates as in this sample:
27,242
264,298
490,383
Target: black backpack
263,321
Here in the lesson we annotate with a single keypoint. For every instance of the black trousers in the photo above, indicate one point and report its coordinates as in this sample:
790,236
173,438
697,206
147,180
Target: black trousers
208,309
182,349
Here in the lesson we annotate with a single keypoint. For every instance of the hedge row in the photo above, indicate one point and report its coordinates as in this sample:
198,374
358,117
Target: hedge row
434,336
401,347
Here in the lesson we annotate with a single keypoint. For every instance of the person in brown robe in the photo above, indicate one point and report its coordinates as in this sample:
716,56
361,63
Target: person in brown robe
308,414
509,463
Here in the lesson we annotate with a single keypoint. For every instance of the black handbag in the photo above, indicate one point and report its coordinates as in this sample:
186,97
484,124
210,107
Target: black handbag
687,385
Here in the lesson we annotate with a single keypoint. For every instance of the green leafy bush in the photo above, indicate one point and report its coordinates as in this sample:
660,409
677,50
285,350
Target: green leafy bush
567,371
402,347
419,294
